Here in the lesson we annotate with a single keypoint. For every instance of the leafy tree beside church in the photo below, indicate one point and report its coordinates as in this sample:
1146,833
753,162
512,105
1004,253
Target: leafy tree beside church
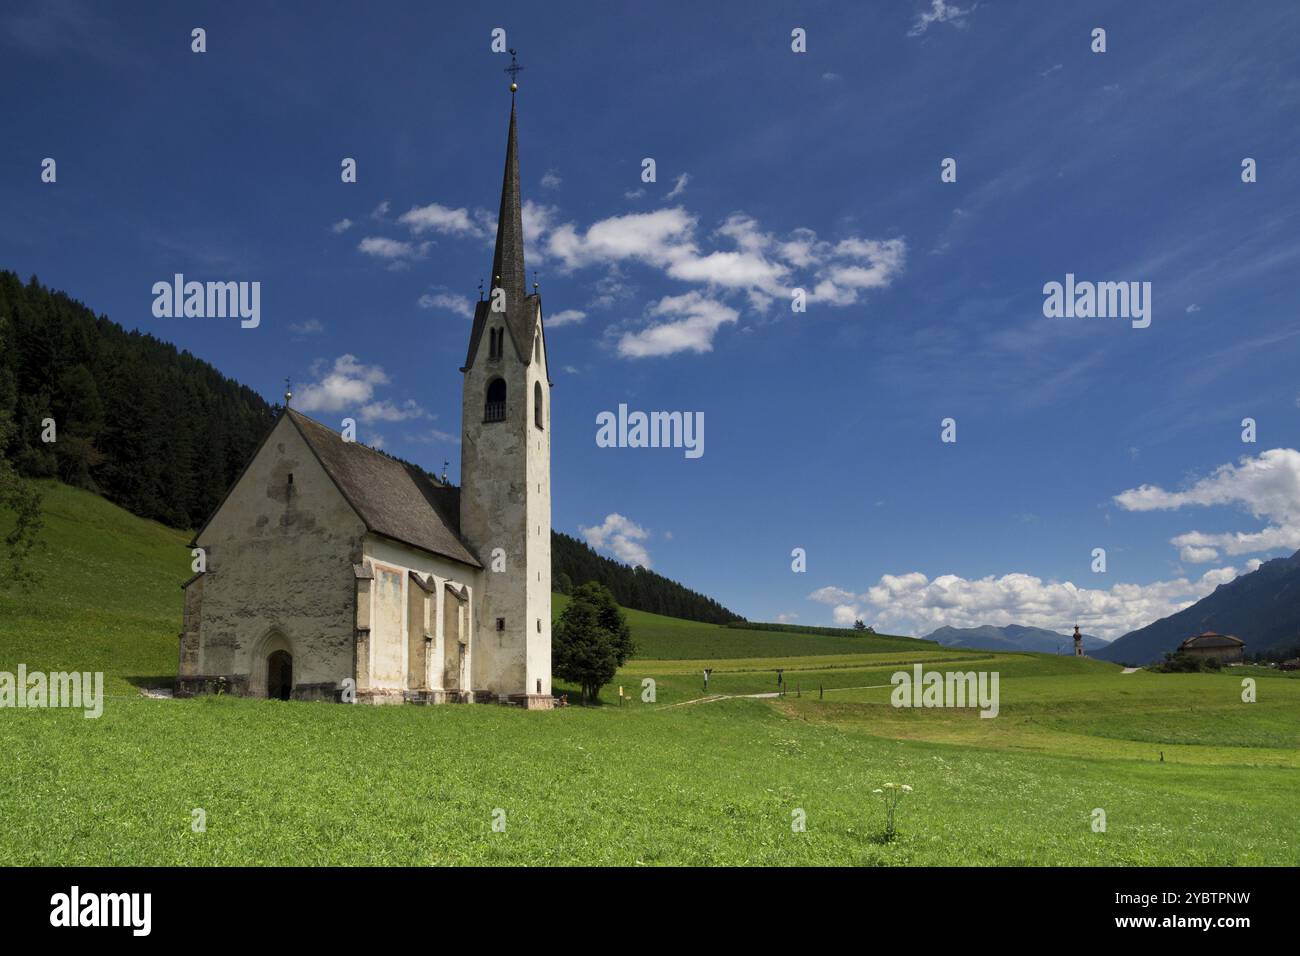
591,641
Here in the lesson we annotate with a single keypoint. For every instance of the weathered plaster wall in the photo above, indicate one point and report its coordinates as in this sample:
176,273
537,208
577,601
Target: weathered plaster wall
396,627
279,560
506,504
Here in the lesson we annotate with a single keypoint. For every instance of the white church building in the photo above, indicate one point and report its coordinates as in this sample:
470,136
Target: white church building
336,572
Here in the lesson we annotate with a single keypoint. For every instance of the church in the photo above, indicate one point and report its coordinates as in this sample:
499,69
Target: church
335,572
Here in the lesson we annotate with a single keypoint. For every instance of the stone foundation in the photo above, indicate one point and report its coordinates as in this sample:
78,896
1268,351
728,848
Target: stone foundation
237,686
221,684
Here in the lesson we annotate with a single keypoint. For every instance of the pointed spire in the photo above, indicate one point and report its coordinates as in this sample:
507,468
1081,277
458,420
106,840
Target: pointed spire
508,260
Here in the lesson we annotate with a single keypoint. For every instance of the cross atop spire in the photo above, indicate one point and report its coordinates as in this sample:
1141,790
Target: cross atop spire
513,69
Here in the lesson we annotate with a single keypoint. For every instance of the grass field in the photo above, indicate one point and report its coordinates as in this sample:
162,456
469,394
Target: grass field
676,781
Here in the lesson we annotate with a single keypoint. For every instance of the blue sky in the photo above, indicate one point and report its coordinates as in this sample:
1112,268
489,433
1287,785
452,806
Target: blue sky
775,170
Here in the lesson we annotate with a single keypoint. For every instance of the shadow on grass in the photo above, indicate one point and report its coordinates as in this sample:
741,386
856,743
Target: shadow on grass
164,681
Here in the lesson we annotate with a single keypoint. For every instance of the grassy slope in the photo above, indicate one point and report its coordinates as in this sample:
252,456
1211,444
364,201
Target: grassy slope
650,783
108,596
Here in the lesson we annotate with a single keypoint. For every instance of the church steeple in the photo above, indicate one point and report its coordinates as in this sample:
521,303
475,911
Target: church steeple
520,311
505,465
508,260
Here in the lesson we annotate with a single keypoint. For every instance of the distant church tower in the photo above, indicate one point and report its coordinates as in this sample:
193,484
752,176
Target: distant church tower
1078,642
505,465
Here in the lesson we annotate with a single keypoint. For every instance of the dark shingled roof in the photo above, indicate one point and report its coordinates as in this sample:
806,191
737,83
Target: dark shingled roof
393,499
1211,639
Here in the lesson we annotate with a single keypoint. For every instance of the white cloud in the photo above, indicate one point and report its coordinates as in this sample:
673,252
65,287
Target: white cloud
693,321
679,186
831,595
381,210
1193,308
342,226
565,317
458,304
310,327
1267,486
392,249
537,220
761,266
940,12
434,436
620,536
347,383
912,603
440,219
654,238
386,411
551,180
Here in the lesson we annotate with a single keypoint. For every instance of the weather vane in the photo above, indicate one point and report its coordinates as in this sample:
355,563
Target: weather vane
513,69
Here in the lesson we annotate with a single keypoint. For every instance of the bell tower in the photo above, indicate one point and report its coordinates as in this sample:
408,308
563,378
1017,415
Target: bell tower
505,466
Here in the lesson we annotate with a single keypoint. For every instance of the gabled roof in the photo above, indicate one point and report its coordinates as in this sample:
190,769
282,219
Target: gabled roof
1211,639
391,498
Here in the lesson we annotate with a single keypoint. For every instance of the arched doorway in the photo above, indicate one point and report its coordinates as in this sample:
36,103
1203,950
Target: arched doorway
270,666
279,675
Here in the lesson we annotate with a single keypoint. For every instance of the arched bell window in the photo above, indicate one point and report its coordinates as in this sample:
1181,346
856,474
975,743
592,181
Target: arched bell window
494,408
496,343
539,414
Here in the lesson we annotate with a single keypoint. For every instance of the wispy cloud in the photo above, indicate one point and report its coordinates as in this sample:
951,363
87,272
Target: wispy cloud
940,11
440,219
457,304
309,327
565,317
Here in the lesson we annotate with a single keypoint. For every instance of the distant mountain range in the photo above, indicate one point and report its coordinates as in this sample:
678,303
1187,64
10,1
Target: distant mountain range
1013,637
1262,608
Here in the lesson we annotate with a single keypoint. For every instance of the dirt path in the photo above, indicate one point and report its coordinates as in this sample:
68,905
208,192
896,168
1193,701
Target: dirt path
712,697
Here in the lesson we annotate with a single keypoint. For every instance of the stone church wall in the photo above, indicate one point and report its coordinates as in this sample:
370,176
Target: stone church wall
279,559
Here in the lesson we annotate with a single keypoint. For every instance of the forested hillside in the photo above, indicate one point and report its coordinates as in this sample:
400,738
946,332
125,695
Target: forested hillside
153,429
573,562
164,434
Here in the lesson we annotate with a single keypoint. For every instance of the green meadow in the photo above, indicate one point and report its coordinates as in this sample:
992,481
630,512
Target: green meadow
1184,771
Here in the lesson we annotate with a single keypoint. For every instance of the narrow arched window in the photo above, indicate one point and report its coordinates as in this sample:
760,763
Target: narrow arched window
496,343
539,416
494,409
